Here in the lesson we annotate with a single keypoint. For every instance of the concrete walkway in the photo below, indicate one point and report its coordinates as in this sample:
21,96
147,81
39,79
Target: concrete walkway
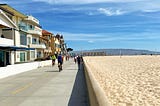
45,87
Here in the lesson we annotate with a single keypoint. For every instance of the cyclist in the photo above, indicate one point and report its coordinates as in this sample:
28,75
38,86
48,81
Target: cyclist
53,59
60,62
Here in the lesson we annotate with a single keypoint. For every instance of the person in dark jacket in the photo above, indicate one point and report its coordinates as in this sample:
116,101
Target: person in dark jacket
79,62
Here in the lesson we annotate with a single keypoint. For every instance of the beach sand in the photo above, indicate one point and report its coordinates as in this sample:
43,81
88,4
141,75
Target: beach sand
128,80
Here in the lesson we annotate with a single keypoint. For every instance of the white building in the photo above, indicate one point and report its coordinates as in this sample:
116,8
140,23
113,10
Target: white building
6,41
18,33
33,38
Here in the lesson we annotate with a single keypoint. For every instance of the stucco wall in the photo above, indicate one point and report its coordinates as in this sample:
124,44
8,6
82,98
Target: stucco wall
19,68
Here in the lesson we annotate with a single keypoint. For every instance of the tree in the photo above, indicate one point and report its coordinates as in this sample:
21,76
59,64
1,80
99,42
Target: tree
69,49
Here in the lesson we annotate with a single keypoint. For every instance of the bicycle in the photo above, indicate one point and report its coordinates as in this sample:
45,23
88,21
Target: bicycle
60,67
53,62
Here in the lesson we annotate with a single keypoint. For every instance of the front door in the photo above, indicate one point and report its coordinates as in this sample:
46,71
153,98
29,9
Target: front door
7,58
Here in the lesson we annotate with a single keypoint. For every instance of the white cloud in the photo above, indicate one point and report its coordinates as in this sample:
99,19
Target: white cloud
92,38
110,12
82,1
90,41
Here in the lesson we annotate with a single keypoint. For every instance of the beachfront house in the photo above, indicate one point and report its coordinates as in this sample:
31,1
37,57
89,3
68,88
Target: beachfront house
34,32
58,44
22,38
63,45
19,34
47,39
6,40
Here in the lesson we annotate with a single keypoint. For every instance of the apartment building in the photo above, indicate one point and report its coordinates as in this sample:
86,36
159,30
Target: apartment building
48,39
34,33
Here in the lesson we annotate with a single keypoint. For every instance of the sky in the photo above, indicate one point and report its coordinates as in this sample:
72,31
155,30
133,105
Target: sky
98,24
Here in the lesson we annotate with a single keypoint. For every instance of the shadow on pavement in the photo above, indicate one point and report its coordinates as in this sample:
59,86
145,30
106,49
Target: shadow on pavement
52,71
79,96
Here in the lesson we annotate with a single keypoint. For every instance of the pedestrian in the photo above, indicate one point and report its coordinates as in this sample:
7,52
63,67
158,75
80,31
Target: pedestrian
79,62
75,59
53,59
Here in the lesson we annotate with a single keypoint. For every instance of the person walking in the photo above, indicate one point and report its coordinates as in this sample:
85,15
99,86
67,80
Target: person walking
79,62
75,59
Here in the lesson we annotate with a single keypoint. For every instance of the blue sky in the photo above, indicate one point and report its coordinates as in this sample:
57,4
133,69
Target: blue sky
94,24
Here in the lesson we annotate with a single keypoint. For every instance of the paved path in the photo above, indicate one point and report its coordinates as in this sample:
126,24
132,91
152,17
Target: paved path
45,87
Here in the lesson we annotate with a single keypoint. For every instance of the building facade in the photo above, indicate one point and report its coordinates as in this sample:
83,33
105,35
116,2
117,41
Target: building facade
6,40
22,38
34,32
18,34
47,39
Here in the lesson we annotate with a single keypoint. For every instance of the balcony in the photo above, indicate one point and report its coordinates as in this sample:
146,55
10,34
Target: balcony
37,46
32,20
48,50
6,42
23,27
36,31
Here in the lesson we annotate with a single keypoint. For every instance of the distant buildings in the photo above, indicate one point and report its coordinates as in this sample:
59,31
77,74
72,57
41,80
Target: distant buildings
22,39
88,53
94,53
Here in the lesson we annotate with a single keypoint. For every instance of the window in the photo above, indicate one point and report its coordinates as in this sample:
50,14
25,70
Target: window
22,57
23,39
32,54
30,27
38,54
34,41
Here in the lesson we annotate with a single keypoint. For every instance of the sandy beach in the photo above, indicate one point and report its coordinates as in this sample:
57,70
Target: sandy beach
128,80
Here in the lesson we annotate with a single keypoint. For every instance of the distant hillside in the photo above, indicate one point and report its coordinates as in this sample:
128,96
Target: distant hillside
122,52
127,52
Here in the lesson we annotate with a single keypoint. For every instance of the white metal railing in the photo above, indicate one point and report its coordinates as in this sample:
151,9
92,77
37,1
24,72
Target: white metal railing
42,46
37,31
31,18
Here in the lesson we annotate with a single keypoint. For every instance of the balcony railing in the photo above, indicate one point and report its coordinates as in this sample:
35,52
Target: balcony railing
32,19
36,31
7,42
22,27
38,46
48,50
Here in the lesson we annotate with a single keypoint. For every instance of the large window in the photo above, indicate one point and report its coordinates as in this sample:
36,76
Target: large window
23,39
23,26
22,56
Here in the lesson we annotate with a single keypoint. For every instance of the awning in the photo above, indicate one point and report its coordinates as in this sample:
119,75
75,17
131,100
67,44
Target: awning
14,48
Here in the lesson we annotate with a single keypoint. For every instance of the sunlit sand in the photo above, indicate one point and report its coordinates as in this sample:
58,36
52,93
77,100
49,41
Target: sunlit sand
128,80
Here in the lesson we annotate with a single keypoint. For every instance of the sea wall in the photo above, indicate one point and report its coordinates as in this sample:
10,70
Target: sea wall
96,94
